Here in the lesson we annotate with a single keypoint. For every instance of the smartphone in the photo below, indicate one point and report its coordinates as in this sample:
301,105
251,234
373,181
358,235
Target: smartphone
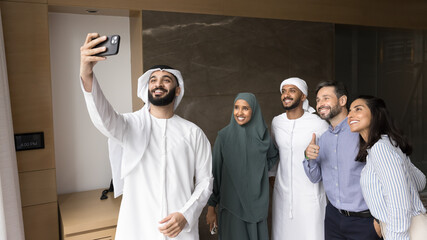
112,44
214,229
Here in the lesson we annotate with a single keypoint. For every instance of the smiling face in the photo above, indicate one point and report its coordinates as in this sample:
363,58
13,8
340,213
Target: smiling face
242,112
291,97
162,88
359,118
328,105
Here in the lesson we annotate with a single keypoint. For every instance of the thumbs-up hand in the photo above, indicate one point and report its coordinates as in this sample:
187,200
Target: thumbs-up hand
312,151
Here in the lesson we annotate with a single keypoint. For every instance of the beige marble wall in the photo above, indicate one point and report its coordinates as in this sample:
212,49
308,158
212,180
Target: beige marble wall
220,56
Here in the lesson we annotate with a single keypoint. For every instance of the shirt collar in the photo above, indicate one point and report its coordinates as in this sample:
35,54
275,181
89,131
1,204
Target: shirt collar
340,127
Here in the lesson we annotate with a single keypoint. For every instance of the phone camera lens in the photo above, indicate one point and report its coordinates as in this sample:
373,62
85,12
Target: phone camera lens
114,40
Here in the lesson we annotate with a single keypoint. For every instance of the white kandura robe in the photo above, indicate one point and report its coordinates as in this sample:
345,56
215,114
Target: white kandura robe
173,175
298,210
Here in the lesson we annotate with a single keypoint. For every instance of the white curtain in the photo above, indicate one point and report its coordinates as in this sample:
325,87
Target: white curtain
11,223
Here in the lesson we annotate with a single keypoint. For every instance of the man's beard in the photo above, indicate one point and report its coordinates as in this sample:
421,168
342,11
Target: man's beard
162,101
294,105
333,112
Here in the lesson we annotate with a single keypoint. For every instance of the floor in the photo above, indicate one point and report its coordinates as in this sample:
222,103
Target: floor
204,228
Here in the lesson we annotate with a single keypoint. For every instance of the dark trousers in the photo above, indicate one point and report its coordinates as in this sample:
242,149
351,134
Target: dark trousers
339,226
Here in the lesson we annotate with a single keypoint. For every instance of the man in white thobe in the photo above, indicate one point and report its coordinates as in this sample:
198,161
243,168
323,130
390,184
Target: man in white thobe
161,163
298,204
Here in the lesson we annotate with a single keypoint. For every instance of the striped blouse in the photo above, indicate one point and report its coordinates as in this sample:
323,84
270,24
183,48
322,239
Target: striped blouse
390,185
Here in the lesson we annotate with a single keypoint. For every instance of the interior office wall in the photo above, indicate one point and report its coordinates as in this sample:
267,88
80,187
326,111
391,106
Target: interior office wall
220,56
80,149
410,14
391,64
26,39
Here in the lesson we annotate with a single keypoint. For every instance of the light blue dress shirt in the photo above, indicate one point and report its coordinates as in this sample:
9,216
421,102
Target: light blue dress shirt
337,167
390,184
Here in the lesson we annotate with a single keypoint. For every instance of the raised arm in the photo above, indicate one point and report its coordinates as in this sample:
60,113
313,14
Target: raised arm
102,114
88,61
311,166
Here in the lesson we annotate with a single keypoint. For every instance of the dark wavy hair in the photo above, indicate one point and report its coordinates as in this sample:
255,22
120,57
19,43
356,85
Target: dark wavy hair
381,123
339,87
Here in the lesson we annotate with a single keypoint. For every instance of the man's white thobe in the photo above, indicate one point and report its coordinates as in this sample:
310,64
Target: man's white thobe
173,174
298,204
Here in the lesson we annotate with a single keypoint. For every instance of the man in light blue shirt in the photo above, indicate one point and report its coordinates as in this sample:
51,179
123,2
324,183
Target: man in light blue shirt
332,159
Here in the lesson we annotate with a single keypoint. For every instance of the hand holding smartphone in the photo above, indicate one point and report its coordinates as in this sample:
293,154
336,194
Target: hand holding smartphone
112,44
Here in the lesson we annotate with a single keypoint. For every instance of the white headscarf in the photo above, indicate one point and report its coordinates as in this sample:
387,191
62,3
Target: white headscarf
143,84
301,85
137,141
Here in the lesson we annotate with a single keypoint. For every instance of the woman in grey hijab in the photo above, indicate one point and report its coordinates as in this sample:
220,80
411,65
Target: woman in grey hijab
242,155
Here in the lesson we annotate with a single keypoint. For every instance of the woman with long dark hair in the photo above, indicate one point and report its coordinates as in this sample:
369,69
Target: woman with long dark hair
390,182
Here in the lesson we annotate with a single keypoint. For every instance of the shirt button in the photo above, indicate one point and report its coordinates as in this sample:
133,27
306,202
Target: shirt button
336,135
335,168
336,184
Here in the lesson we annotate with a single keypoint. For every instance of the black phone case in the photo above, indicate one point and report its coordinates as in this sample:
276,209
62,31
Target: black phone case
112,44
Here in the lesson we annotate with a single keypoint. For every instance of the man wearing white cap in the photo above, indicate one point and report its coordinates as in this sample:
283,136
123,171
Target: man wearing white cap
161,163
298,204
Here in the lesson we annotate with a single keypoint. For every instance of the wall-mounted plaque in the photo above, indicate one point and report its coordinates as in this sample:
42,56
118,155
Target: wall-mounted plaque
29,141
